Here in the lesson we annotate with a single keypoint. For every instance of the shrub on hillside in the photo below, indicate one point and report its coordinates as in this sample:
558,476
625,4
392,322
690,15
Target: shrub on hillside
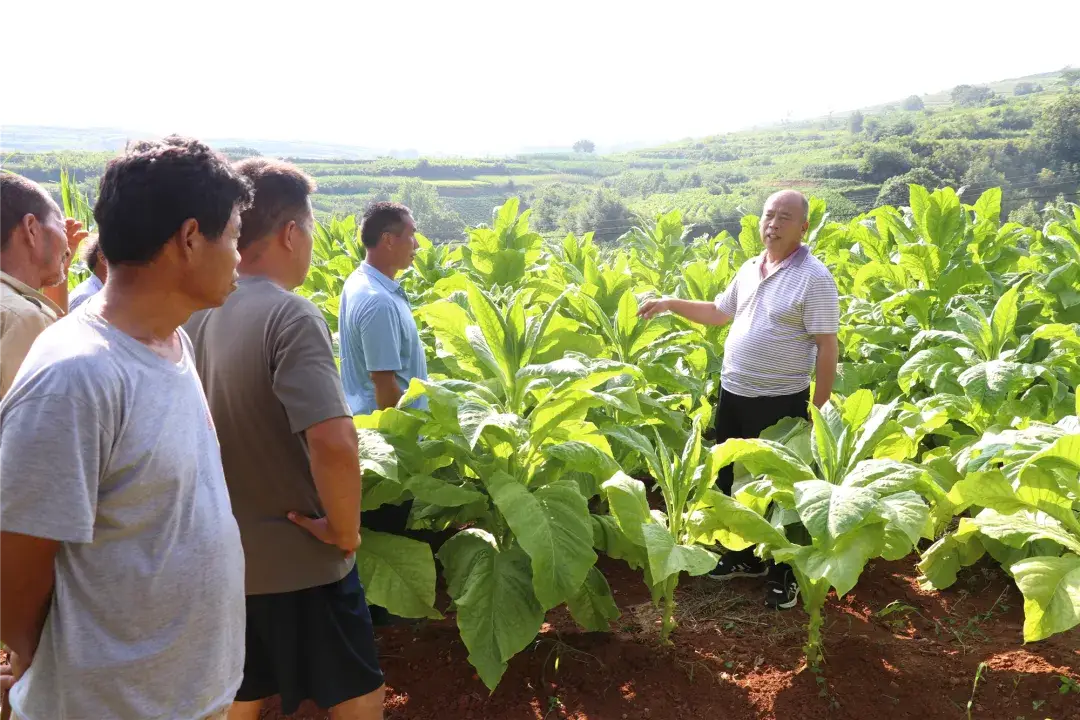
896,191
882,161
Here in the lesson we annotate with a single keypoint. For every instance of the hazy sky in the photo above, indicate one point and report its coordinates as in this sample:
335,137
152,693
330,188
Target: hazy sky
474,76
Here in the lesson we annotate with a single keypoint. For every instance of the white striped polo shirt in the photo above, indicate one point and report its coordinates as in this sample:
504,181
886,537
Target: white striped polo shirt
770,349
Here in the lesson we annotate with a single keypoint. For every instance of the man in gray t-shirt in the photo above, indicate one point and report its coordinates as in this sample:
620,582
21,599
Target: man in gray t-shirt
121,568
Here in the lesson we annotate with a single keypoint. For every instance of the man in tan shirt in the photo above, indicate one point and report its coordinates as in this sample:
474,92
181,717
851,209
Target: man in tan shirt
35,252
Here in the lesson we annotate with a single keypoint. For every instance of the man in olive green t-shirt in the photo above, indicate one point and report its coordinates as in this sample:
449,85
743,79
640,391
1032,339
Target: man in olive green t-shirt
289,449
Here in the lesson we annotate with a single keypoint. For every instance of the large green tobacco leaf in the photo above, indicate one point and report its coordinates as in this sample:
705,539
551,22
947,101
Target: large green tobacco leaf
994,490
552,525
884,477
497,611
857,408
440,492
936,367
379,491
376,454
764,457
908,513
1025,526
634,440
667,559
840,562
988,207
943,560
1064,455
628,504
583,457
475,416
1051,589
940,218
922,262
609,539
449,320
593,606
732,524
827,433
990,383
494,331
830,511
876,428
1003,319
398,573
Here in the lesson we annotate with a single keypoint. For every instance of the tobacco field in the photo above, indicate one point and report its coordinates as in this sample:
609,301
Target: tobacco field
565,436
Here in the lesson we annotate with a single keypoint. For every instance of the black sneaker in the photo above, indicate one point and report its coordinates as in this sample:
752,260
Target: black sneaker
781,589
739,565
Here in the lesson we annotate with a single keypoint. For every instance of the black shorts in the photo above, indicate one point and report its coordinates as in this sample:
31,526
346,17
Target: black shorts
315,644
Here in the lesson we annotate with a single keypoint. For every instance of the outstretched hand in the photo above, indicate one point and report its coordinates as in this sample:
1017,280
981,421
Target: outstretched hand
651,308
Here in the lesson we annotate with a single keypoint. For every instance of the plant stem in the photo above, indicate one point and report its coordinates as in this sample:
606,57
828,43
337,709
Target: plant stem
813,637
668,617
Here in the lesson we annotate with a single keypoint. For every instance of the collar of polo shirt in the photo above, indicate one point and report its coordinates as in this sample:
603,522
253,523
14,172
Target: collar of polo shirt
380,277
796,258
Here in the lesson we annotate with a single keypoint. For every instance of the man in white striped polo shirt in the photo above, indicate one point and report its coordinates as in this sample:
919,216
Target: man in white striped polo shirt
786,313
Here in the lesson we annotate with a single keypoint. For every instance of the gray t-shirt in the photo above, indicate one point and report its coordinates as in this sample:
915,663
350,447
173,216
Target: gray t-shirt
109,448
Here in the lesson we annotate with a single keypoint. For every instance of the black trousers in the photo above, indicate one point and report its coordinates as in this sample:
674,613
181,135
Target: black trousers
746,417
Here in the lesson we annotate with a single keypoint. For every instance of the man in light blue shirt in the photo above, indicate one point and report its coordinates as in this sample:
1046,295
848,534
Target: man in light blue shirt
99,273
381,351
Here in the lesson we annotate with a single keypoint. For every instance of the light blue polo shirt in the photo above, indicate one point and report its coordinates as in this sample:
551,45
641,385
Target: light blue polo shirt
84,291
376,331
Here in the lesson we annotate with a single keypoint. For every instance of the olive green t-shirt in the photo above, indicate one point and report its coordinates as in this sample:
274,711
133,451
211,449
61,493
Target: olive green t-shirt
266,361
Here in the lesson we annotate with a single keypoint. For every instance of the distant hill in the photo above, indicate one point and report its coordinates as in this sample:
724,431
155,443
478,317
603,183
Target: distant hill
943,98
30,138
1028,145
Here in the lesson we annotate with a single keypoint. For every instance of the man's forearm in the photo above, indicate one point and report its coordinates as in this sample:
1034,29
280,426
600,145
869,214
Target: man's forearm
335,466
387,391
699,311
26,586
825,370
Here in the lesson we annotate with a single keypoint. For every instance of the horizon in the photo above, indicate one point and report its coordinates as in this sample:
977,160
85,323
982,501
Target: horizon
608,84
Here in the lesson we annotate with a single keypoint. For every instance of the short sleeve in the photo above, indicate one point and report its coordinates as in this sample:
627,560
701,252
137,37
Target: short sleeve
727,302
821,307
17,333
304,374
53,452
379,336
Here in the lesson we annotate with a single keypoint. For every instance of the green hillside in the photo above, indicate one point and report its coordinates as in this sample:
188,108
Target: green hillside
1021,134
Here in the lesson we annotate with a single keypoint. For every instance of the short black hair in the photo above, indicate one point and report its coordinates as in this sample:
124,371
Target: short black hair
91,252
146,194
20,197
281,193
380,217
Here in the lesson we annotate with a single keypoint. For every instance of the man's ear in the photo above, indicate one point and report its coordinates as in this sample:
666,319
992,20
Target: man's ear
189,238
287,234
31,228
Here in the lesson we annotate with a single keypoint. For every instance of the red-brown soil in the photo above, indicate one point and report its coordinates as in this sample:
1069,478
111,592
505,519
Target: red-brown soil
732,658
